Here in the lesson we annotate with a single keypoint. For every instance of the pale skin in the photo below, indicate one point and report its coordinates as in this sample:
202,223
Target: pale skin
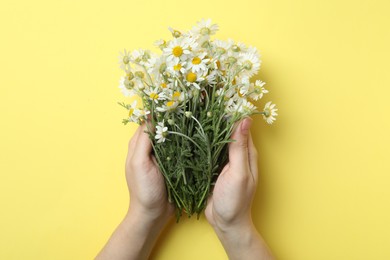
228,209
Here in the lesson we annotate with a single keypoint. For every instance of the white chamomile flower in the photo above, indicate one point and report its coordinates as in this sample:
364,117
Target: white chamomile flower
175,33
141,56
126,86
168,106
161,132
176,95
204,28
246,107
193,79
231,107
156,67
211,78
178,50
154,95
177,68
160,44
257,91
198,63
134,113
221,49
236,48
250,62
163,86
124,60
244,86
269,112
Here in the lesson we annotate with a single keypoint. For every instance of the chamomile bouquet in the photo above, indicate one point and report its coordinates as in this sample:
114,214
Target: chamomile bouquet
192,93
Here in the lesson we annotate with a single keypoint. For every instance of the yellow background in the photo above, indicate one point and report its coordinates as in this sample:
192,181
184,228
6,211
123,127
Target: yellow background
324,188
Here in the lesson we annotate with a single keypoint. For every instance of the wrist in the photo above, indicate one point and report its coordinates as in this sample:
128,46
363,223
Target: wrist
149,219
242,241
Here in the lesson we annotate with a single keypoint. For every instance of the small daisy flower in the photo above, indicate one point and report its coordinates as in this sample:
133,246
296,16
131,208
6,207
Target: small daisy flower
126,86
246,107
269,112
124,60
198,63
175,33
204,28
257,91
154,94
193,79
161,132
244,86
168,106
177,68
211,78
236,48
250,62
156,66
221,49
177,50
160,44
141,56
134,113
231,108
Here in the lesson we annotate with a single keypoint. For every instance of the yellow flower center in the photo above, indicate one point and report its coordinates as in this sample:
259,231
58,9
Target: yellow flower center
248,65
131,111
176,94
239,93
177,67
196,60
170,103
153,95
163,85
126,60
177,51
267,112
218,64
191,77
205,31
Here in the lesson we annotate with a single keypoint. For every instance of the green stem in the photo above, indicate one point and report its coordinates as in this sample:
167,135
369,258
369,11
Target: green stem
176,133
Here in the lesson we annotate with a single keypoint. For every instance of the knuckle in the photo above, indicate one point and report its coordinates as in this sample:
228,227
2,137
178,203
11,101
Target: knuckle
137,163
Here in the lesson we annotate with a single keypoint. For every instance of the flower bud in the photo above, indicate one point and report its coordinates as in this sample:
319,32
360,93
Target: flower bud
220,50
235,48
129,84
232,60
206,44
139,74
188,114
130,75
162,68
171,121
209,114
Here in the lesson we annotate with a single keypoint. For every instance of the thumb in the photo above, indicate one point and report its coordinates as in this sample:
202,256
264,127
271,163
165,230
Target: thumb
143,145
238,150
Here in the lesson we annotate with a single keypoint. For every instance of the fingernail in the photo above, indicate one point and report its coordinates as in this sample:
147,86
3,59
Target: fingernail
246,125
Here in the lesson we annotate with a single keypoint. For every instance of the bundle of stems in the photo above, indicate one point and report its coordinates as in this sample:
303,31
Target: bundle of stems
196,153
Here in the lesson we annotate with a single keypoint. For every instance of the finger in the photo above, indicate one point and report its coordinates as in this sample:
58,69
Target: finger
143,147
132,144
238,150
252,158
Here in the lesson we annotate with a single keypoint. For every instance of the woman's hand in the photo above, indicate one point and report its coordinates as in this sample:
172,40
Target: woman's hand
149,208
229,208
146,184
